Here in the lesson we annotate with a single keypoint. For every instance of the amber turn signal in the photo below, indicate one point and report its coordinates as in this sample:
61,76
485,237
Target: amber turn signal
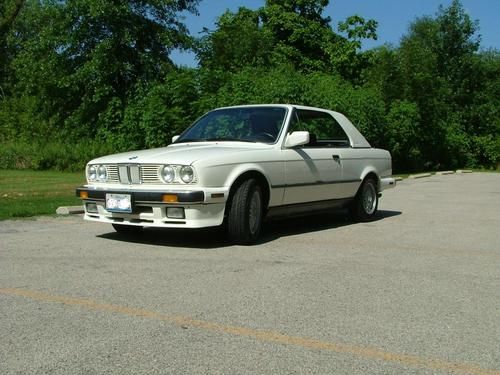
84,194
169,198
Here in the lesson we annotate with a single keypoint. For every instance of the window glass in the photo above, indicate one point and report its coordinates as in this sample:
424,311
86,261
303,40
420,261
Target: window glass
323,129
244,124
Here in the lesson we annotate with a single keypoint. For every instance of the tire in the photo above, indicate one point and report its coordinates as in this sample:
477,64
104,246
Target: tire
244,220
127,229
365,203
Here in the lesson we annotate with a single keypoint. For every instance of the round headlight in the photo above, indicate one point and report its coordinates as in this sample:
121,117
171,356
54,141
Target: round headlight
187,174
102,174
168,174
92,173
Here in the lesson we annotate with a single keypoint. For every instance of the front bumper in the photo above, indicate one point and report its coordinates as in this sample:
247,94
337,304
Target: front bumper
201,208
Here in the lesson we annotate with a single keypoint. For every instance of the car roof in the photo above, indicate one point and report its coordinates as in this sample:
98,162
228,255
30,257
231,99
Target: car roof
289,106
357,139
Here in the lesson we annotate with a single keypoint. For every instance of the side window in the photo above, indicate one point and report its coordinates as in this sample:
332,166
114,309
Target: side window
324,130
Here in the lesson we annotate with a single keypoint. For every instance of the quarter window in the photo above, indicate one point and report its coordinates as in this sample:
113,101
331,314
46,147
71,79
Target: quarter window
323,129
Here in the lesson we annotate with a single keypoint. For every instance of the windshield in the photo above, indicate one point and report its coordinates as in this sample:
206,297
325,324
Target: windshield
243,124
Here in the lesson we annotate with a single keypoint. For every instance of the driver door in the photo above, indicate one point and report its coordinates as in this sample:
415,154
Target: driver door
313,172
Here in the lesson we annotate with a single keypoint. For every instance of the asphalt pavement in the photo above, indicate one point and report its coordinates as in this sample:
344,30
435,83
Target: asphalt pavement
416,291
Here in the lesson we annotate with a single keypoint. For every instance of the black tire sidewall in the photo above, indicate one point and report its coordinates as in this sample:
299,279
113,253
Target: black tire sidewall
238,219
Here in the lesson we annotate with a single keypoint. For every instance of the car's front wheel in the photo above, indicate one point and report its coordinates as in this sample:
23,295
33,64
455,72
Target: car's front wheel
244,220
365,203
127,229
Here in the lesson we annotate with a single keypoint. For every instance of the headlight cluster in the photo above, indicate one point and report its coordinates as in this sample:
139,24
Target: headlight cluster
177,173
97,173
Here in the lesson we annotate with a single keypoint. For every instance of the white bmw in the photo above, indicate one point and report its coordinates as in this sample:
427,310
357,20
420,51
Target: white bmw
239,165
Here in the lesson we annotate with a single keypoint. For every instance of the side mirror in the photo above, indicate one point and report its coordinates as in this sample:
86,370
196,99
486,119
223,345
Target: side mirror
296,139
174,138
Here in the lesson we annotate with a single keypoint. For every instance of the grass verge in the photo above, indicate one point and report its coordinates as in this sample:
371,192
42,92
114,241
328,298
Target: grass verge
25,193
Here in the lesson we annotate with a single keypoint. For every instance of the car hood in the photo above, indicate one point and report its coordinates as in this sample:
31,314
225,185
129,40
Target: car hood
184,153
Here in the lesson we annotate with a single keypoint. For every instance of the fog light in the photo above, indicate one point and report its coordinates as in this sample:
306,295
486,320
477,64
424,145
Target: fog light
176,213
91,208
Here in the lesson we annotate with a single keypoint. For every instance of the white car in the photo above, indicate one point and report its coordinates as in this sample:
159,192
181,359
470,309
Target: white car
236,166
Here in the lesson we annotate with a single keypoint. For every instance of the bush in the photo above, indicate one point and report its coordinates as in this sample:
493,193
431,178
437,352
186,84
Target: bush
158,111
362,105
58,156
402,136
486,151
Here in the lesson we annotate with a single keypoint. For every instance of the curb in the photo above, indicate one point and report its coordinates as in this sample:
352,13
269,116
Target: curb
464,171
420,175
444,172
72,210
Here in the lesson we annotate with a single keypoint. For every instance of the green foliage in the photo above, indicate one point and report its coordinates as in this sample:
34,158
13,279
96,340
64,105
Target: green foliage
286,85
291,32
345,55
299,32
82,78
9,12
260,85
158,112
82,59
362,105
57,156
486,151
403,134
239,41
455,91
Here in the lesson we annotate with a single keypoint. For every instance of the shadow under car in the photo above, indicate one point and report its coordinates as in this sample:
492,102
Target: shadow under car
213,238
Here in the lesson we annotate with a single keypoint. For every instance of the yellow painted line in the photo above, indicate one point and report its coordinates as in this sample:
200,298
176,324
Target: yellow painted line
262,335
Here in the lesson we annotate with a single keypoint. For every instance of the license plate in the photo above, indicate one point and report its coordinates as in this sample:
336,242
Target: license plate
119,203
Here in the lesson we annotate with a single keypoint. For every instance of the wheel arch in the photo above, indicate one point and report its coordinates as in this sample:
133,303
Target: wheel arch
249,174
370,173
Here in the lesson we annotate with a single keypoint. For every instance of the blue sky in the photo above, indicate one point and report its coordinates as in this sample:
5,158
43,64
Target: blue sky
393,16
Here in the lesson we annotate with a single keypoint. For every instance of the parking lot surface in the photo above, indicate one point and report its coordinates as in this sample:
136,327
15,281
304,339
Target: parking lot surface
415,292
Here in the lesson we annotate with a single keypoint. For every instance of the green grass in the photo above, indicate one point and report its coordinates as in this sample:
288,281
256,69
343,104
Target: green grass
26,193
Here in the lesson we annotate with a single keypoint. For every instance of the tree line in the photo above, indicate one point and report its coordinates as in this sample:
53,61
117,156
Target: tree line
79,78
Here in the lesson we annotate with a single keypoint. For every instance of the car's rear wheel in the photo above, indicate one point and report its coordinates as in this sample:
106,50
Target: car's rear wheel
365,203
244,220
127,229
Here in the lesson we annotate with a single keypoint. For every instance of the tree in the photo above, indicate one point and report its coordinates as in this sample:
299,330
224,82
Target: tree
9,12
98,73
158,111
289,32
84,58
437,68
403,131
346,53
299,31
384,73
238,41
